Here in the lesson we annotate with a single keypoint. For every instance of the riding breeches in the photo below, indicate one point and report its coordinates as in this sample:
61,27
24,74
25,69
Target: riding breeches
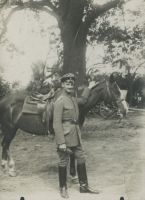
78,153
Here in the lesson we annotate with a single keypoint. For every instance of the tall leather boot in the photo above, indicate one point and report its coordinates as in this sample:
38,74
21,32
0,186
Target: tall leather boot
82,175
73,174
72,165
62,182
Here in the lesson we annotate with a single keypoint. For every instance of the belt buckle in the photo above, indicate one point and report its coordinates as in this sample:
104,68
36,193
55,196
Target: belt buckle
75,121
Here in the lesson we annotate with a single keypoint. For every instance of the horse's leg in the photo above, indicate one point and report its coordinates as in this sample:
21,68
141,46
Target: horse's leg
7,160
4,162
51,130
49,120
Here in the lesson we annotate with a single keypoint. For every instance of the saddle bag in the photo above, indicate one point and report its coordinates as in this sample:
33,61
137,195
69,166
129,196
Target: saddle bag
41,107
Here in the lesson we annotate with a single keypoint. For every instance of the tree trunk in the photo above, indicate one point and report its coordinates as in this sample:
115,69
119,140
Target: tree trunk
74,59
73,38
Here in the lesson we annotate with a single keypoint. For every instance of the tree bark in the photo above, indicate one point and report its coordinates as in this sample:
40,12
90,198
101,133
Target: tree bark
74,30
73,38
74,55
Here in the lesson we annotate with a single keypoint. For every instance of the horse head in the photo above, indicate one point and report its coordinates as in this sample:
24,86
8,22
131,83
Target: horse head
108,91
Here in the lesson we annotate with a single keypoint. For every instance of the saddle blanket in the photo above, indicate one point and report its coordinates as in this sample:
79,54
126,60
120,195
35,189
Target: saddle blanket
31,106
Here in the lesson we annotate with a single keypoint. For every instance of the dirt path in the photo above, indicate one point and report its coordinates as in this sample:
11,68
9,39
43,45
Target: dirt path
115,162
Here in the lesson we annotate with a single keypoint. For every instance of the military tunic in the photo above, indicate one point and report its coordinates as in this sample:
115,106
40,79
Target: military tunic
66,127
65,119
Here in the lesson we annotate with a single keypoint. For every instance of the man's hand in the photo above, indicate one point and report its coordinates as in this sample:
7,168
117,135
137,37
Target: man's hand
62,147
91,84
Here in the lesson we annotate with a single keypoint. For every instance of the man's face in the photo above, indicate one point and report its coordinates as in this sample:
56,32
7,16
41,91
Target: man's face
68,86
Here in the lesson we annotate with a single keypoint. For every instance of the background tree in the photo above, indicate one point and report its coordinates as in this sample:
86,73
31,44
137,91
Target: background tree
123,42
4,88
74,20
38,77
43,77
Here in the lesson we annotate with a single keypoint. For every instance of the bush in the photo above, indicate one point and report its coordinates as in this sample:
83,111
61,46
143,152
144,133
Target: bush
4,88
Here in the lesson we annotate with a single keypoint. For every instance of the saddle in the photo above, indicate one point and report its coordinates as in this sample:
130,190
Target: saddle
38,106
35,106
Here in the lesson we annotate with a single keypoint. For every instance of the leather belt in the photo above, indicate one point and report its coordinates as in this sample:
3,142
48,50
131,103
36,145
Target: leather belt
73,121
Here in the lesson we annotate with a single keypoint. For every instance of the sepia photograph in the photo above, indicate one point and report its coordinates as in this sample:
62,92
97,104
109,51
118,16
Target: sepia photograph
72,99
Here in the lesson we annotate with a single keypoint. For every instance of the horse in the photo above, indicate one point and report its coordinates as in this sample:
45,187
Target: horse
12,118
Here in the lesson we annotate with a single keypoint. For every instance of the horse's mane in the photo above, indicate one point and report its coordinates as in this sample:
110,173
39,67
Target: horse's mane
107,83
98,83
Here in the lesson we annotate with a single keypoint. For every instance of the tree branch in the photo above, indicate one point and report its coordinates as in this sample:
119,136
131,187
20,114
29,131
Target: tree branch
138,68
63,8
103,8
30,3
43,3
18,5
46,9
25,6
98,10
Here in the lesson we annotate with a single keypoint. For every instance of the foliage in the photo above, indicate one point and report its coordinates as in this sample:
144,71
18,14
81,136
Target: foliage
82,21
42,77
139,84
74,20
121,31
38,76
4,88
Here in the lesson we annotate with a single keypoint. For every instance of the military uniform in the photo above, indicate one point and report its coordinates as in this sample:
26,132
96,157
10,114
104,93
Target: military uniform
68,134
66,127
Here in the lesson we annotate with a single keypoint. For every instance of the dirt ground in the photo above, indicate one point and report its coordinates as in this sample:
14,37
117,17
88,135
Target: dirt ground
115,162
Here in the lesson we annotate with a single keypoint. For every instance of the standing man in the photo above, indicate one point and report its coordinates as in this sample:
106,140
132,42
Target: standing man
68,135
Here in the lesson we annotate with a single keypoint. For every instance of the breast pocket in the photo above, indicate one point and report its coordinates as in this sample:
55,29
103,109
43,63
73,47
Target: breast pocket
68,107
68,112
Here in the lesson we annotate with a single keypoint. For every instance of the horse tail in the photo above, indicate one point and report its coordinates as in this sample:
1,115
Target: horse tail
5,104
